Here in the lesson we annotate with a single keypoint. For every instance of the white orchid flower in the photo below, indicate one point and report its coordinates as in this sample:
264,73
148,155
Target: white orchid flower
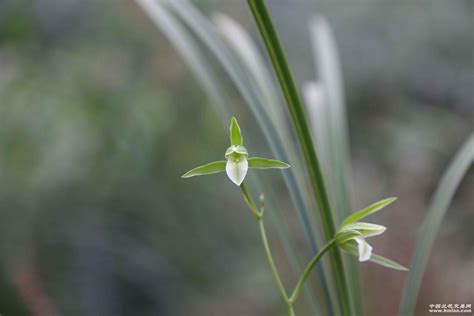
351,235
238,162
357,232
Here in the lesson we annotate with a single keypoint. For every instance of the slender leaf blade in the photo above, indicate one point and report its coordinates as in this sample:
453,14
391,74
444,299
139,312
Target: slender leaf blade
371,209
426,236
264,163
210,168
329,120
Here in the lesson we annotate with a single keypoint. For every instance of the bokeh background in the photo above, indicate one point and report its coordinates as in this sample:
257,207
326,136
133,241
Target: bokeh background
100,116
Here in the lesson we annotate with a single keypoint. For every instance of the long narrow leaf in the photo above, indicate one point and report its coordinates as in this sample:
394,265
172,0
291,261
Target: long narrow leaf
432,222
330,121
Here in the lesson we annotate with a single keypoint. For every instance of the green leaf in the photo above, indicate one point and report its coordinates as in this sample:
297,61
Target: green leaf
375,258
377,206
451,180
235,133
264,163
210,168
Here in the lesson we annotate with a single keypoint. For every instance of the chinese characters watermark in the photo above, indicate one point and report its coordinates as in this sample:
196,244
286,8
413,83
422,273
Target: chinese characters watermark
450,308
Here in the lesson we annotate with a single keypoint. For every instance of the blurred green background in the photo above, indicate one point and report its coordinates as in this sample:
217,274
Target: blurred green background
99,117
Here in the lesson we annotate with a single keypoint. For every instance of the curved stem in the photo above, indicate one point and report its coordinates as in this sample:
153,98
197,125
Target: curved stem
248,200
259,215
300,123
268,253
307,271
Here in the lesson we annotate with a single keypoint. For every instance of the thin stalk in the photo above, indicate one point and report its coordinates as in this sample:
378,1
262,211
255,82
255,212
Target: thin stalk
259,215
295,106
290,301
296,292
268,253
291,310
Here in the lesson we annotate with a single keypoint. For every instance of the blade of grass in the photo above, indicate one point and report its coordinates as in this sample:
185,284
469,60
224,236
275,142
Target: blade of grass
243,45
426,236
277,56
316,106
327,60
334,119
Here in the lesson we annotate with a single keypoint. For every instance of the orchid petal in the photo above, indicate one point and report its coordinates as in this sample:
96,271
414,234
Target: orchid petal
366,229
237,170
365,250
375,258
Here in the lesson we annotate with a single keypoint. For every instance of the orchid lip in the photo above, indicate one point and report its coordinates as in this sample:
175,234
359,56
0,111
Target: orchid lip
237,170
365,250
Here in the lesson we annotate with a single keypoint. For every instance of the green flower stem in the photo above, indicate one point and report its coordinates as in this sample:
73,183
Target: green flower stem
307,271
268,253
300,122
258,214
291,310
290,301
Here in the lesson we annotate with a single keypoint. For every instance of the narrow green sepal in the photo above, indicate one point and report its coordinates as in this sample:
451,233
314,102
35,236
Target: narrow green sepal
365,229
377,206
264,163
210,168
236,138
375,258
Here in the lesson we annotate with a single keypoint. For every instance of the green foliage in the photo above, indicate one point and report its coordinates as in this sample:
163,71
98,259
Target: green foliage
439,205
